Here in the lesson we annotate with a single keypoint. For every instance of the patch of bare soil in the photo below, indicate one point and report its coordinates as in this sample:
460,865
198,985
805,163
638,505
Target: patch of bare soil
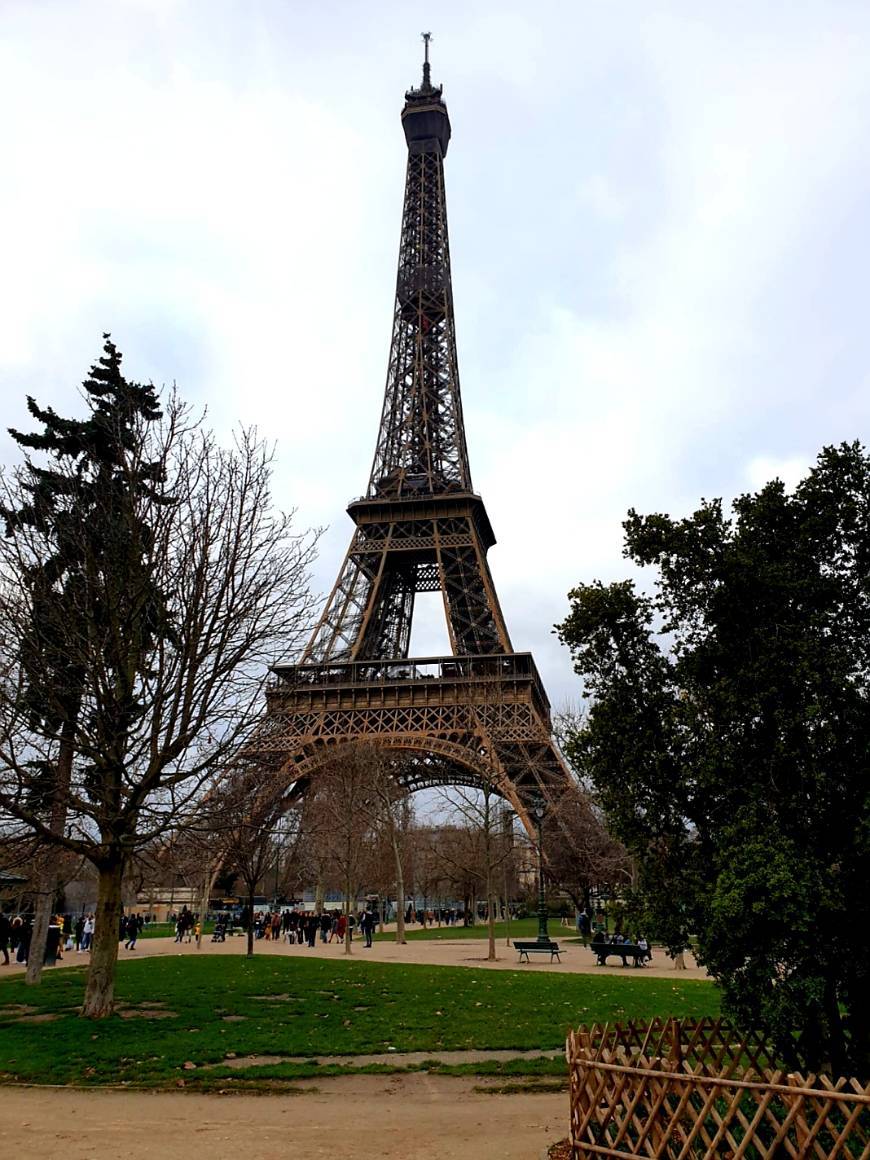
43,1017
132,1013
394,1058
144,1010
17,1009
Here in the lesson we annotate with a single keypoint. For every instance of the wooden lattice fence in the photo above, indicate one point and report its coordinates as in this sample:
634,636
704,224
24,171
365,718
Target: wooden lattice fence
676,1089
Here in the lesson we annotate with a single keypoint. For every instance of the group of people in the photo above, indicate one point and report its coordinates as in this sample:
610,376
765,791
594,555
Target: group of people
449,916
619,939
304,927
187,926
65,932
15,936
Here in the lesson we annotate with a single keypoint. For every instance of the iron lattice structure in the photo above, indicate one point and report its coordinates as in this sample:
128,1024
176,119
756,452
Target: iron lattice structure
480,715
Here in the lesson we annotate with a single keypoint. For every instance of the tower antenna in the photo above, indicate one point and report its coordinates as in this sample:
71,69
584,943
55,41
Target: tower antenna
427,83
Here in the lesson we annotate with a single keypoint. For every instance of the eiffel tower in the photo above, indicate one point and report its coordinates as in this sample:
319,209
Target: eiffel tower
481,714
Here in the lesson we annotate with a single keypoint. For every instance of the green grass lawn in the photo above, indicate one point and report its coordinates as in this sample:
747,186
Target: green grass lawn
519,928
167,929
298,1007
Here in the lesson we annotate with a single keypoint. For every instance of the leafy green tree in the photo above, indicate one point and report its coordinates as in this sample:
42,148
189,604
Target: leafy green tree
729,740
145,584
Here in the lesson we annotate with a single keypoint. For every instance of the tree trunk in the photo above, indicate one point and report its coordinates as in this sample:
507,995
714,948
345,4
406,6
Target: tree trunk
251,922
47,880
837,1060
203,905
490,900
400,888
100,989
318,897
348,949
490,922
41,921
507,911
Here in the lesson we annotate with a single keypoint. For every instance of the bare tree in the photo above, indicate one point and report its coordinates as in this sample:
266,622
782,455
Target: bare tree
243,816
391,814
345,793
438,864
486,846
180,583
579,853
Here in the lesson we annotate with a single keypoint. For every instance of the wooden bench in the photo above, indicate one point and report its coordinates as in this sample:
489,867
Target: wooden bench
537,948
603,951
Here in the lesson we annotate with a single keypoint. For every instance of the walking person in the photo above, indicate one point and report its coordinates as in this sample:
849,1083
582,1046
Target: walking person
367,926
132,932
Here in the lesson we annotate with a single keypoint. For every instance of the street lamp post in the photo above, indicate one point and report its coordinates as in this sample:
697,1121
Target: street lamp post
538,809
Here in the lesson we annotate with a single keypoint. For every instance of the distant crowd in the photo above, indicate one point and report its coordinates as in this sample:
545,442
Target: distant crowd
66,932
298,926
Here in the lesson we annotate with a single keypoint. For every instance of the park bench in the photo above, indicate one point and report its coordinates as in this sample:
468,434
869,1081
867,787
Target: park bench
603,951
537,948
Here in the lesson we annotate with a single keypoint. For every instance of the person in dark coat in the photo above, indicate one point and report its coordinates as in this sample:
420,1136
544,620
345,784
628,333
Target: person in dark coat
134,923
312,925
52,945
24,936
367,926
5,932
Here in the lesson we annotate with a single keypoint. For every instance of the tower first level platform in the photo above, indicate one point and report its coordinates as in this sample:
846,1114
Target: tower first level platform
457,720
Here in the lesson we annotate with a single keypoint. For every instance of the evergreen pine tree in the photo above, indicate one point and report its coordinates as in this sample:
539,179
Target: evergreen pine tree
88,566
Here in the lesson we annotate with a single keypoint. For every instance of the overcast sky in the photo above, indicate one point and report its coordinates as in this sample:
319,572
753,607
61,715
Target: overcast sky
659,233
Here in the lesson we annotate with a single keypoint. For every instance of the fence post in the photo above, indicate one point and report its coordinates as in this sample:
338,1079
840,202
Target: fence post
676,1045
801,1127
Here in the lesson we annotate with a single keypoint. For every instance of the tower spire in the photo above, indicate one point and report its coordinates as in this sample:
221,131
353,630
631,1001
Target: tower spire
427,79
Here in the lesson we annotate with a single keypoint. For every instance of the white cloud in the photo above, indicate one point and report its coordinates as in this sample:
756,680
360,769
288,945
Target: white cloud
762,469
657,226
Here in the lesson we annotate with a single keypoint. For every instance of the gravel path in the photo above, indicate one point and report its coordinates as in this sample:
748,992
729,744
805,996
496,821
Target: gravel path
576,959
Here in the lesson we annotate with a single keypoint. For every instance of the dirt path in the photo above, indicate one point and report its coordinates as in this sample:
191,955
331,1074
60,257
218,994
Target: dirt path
464,952
416,1117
